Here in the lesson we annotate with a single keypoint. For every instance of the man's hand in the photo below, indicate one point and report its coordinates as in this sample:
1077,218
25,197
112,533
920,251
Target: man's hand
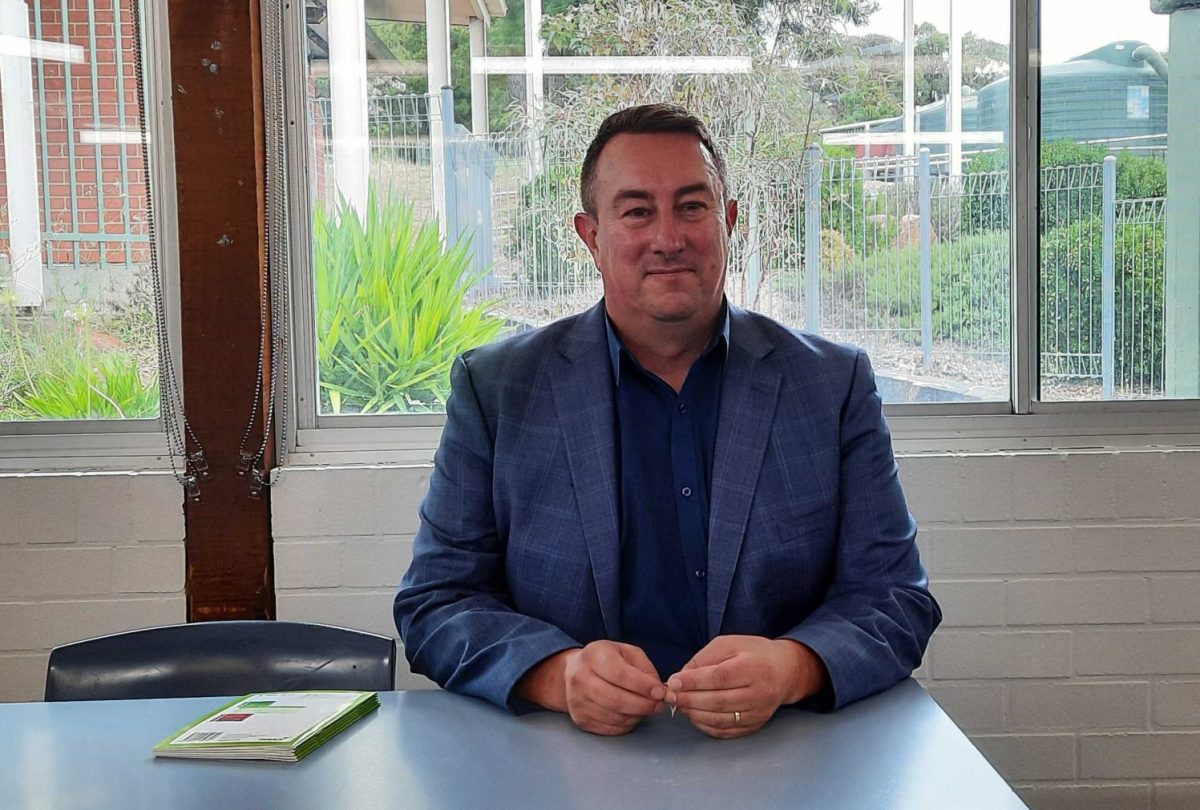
607,687
733,686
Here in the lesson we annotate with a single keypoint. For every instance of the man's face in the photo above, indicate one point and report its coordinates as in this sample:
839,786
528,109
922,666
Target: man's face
660,232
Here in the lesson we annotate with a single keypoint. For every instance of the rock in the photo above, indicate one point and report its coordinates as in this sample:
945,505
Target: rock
909,232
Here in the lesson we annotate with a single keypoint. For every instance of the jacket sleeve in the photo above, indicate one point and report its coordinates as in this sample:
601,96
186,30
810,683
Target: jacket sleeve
877,616
453,609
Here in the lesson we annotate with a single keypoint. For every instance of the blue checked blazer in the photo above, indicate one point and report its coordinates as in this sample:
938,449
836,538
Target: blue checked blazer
517,554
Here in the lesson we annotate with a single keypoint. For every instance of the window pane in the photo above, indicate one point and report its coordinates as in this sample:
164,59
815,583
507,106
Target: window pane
78,337
926,285
1113,268
808,106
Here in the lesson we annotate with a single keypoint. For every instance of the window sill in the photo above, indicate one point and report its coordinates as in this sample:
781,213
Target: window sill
122,451
915,431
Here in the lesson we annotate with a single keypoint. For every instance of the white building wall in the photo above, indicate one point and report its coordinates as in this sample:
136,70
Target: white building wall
82,556
1070,651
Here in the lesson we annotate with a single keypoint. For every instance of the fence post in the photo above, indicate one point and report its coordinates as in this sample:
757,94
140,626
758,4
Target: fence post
453,227
812,239
925,214
1108,285
753,255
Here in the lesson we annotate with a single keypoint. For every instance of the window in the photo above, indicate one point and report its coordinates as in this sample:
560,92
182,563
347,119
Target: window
80,326
78,339
1111,167
874,169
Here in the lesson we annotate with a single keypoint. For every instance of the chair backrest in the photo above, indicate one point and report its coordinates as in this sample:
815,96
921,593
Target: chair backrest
220,658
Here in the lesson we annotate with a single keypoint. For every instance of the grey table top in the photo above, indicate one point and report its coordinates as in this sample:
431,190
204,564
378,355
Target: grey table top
438,750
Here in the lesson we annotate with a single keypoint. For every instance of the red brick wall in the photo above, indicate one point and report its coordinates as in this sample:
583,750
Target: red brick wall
95,200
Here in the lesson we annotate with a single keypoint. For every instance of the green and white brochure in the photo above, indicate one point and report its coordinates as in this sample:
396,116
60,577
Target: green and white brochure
281,726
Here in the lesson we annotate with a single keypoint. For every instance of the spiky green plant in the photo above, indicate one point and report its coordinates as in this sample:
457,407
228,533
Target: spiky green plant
91,386
392,311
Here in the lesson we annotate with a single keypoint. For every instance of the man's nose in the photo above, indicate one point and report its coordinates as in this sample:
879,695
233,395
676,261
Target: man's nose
668,237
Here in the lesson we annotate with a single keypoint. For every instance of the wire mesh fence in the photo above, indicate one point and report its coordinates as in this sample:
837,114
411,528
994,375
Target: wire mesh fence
894,254
401,148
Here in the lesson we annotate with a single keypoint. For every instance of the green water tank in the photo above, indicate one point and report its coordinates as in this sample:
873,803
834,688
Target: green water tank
1105,93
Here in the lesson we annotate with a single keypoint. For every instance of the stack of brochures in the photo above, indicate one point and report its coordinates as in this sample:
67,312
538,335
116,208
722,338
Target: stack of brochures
282,726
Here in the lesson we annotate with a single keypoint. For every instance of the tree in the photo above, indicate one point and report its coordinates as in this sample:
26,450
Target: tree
764,118
874,82
804,17
407,42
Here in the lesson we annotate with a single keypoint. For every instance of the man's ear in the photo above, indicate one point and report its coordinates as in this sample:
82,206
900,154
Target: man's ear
730,217
586,226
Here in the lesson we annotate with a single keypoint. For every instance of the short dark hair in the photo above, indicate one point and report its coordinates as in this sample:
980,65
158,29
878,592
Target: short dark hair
646,119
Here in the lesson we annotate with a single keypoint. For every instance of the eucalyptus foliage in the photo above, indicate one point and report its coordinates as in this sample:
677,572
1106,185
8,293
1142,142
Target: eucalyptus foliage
393,309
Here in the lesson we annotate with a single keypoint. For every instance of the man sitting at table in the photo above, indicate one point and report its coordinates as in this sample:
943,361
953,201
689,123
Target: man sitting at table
666,497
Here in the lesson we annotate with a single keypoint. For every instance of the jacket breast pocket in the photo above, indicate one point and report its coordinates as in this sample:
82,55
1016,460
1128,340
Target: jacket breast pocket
807,524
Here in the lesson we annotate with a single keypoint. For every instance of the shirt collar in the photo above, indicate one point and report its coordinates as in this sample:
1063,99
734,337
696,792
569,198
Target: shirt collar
615,346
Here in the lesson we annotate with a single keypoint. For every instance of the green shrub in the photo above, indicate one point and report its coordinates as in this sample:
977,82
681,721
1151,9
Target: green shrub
60,363
1072,261
1140,177
842,191
845,206
87,385
1064,198
392,312
837,261
971,301
970,288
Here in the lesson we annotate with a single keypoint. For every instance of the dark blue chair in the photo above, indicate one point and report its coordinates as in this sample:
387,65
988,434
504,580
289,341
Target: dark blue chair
220,658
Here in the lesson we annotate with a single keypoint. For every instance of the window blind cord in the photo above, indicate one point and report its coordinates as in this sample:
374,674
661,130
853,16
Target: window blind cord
175,422
274,291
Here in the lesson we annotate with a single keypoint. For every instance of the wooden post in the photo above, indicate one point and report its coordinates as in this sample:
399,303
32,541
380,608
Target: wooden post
216,81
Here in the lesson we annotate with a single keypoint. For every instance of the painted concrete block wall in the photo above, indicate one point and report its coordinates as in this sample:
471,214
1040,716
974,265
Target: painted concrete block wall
1070,582
1070,651
82,556
343,540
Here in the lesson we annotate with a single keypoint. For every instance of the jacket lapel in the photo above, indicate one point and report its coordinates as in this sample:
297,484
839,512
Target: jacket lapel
583,397
748,399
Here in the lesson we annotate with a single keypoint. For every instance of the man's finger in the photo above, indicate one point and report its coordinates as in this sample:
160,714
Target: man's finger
624,674
637,658
728,720
721,648
599,726
718,700
725,675
621,701
726,732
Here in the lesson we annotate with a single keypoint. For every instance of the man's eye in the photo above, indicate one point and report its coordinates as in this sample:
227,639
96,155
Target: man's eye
694,206
637,212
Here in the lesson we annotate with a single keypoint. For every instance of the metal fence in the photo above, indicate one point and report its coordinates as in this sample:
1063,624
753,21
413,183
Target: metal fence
1101,291
893,254
399,128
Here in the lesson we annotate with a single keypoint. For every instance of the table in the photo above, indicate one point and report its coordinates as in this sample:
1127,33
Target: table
433,749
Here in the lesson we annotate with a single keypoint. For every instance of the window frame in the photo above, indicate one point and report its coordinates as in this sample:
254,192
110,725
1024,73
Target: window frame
125,444
1021,423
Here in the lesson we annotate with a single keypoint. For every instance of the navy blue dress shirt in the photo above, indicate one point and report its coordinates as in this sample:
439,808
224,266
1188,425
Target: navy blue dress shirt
666,442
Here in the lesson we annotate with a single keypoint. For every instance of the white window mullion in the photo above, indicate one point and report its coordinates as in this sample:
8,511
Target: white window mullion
1024,191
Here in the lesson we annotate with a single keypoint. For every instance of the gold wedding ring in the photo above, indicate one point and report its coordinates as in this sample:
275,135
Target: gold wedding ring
737,718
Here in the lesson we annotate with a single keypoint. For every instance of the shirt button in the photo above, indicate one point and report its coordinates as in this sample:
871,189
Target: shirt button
686,492
682,407
700,573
